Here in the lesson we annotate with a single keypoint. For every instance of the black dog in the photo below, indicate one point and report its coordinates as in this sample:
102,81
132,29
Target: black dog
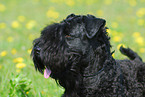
76,53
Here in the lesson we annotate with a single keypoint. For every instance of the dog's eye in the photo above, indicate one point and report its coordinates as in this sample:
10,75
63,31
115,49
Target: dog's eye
67,36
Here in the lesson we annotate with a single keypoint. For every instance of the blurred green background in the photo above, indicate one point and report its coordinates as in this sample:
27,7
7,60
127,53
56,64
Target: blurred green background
21,21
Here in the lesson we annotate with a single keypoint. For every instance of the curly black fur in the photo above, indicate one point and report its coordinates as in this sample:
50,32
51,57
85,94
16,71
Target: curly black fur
77,51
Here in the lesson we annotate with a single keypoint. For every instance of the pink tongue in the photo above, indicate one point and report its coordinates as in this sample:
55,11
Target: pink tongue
47,73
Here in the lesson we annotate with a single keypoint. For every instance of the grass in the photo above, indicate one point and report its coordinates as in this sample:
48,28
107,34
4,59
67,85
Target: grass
22,20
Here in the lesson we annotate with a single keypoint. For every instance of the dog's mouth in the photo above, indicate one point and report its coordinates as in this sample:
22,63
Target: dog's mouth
47,73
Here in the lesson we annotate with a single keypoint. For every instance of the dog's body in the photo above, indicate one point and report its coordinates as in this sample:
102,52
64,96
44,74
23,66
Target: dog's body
76,53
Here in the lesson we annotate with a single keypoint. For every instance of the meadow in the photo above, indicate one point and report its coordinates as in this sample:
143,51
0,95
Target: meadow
21,21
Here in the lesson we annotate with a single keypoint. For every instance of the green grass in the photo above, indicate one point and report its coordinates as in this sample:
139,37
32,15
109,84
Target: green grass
123,13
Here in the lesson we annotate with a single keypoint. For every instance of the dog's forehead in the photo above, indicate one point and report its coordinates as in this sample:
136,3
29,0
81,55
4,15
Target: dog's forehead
78,29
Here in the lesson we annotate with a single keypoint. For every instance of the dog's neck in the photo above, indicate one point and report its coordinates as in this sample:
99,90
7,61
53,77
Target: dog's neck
95,70
103,60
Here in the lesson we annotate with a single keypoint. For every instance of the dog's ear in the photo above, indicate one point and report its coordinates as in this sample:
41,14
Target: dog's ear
93,25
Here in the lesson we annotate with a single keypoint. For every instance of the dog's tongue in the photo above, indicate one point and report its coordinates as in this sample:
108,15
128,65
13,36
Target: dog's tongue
47,73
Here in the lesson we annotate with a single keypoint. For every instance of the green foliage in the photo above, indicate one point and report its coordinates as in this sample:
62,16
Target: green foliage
19,86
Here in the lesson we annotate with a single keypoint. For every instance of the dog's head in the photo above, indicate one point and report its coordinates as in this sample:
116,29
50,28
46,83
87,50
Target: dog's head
63,46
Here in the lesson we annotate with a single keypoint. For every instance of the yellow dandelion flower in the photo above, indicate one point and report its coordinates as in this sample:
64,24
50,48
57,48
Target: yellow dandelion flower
142,50
140,12
13,51
132,2
140,40
118,47
51,13
20,65
108,30
0,66
117,38
18,60
70,2
107,2
113,55
114,25
18,70
3,53
100,13
15,24
10,39
27,92
2,25
136,34
42,92
21,18
140,22
31,24
2,8
29,51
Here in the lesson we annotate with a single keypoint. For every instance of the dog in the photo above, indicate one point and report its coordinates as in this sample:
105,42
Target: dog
76,53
